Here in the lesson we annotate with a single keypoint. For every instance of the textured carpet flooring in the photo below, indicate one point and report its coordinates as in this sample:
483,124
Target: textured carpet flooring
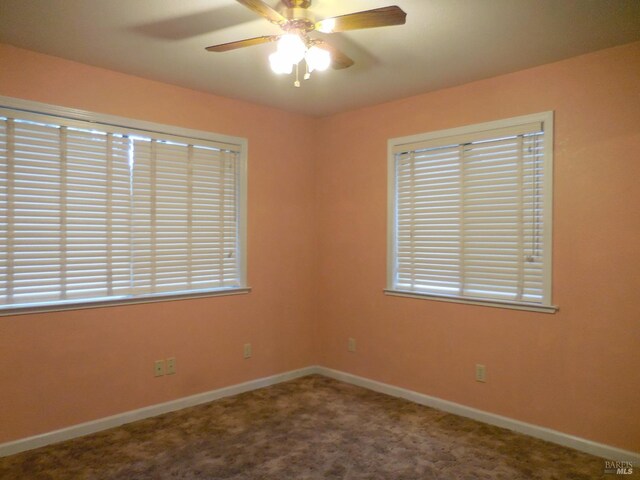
309,428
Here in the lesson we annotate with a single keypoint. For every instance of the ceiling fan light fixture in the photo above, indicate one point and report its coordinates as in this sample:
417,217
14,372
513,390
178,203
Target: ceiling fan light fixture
317,59
292,48
326,26
279,63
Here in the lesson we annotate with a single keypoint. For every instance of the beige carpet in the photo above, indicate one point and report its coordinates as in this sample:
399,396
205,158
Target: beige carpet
309,428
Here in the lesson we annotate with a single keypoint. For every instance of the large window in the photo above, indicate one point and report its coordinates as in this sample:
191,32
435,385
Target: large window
92,210
470,214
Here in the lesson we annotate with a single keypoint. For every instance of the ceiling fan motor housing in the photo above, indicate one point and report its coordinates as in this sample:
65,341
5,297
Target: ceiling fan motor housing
299,3
299,18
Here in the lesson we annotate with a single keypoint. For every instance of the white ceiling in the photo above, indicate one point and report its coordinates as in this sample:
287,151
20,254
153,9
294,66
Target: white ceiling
444,43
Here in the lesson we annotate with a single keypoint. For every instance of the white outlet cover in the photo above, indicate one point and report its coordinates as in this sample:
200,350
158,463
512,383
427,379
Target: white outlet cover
481,373
171,366
158,368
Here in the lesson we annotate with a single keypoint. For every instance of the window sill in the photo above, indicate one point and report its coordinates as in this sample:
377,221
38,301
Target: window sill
81,305
468,301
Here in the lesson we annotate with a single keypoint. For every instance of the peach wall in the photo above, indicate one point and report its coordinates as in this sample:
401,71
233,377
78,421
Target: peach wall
69,367
317,247
575,371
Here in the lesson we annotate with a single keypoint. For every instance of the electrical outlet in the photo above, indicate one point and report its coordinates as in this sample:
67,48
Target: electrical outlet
171,366
481,373
158,368
351,345
247,350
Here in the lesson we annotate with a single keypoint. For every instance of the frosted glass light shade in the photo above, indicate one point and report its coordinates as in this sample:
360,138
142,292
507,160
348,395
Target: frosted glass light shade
327,25
291,47
318,59
280,64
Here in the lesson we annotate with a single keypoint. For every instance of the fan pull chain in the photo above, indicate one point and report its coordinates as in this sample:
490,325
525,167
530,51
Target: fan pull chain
297,82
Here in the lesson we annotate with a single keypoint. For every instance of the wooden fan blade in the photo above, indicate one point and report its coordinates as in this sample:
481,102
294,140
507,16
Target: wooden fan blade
249,42
265,10
378,17
338,59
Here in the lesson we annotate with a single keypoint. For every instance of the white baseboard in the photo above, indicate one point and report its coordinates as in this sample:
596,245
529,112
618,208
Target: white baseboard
94,426
606,451
74,431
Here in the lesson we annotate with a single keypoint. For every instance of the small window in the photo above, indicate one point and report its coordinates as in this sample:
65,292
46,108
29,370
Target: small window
95,212
470,213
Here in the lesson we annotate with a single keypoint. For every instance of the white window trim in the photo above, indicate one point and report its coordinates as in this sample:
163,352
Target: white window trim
160,130
116,302
394,144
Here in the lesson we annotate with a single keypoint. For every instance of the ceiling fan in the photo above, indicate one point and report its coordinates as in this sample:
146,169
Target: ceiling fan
295,43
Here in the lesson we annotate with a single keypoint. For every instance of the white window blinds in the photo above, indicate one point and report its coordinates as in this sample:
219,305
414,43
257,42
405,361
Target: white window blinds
92,212
470,215
185,232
